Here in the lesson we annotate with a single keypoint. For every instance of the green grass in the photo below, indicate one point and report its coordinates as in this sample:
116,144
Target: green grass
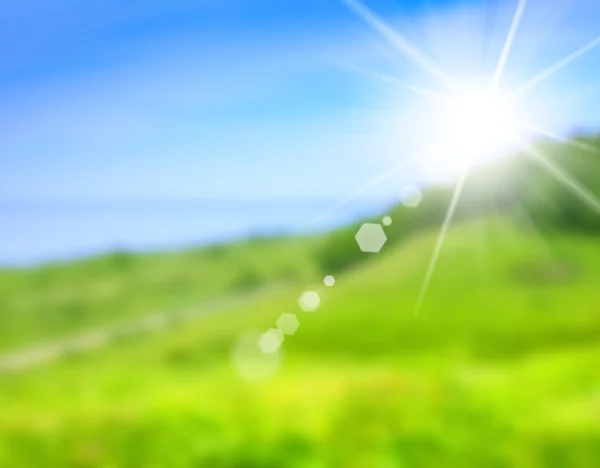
55,300
499,369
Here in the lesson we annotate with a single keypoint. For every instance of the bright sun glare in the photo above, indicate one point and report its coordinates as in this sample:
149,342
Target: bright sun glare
471,128
481,121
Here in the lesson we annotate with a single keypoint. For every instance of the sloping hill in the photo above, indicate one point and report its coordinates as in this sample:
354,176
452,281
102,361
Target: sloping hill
499,369
52,301
57,300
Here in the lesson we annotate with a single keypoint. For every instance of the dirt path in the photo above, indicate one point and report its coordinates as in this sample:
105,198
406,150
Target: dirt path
25,358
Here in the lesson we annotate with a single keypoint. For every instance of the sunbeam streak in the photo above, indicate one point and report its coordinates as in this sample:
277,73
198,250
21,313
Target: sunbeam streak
364,189
508,44
481,252
556,67
398,41
566,179
535,230
553,136
392,80
442,237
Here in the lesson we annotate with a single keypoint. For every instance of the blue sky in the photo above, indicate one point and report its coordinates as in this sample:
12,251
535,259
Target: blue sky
245,99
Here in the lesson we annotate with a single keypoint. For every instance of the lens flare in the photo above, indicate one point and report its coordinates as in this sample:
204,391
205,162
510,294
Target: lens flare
473,127
470,126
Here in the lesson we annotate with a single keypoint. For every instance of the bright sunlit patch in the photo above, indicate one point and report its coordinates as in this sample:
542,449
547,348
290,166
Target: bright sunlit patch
471,128
480,123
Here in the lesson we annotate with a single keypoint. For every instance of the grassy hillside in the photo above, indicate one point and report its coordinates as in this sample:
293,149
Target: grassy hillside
499,368
56,300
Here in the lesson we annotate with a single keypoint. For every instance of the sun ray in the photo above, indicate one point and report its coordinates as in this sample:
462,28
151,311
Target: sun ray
535,230
566,179
364,189
556,67
392,80
401,43
508,44
481,252
553,136
442,237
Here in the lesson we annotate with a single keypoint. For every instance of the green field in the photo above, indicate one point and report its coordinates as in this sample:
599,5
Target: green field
498,369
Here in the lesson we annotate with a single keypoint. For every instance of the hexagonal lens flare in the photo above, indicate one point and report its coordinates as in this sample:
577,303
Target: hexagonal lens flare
329,281
371,238
288,324
309,301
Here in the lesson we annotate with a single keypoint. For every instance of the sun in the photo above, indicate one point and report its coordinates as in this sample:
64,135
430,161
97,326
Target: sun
470,128
480,122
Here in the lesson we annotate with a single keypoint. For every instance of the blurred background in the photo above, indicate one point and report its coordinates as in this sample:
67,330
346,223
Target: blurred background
318,233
